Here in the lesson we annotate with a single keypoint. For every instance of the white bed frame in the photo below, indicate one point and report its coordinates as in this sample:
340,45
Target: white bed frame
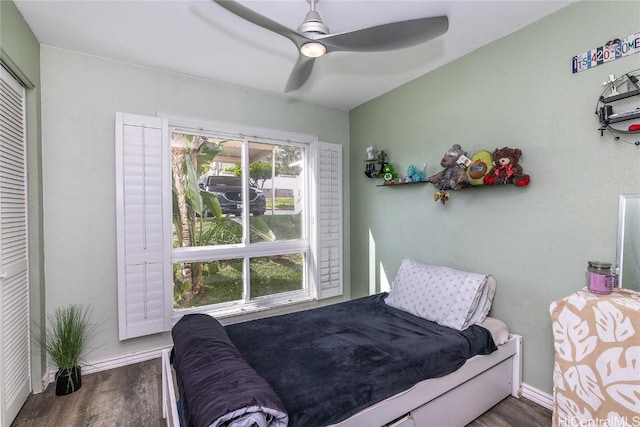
453,400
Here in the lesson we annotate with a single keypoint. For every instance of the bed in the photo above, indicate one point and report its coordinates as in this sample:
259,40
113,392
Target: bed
373,361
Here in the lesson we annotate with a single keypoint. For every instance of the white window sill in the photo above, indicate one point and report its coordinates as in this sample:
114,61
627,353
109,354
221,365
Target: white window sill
236,313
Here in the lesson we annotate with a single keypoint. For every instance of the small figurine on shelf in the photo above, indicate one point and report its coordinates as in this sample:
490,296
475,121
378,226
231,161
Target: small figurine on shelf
388,174
414,174
506,168
612,84
453,177
371,153
442,196
481,164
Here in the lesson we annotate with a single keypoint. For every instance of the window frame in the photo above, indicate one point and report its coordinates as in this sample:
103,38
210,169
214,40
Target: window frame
246,250
144,210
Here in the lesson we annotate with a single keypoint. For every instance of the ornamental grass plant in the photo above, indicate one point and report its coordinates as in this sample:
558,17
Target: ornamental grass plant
67,335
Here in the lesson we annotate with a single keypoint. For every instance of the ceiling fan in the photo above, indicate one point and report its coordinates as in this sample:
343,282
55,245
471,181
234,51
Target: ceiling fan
314,40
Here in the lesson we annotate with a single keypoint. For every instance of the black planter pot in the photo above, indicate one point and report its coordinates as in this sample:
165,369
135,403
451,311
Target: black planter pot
68,381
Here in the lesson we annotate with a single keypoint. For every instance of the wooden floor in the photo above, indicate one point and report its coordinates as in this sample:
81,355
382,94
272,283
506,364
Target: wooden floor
514,412
127,396
132,396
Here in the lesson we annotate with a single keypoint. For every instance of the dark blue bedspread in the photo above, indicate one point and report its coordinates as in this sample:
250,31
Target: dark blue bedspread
329,363
216,385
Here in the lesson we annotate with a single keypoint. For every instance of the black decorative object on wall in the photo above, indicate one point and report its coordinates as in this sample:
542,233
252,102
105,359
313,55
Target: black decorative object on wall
618,106
374,163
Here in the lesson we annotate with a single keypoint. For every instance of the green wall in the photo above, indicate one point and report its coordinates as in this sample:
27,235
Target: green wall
536,241
20,53
80,96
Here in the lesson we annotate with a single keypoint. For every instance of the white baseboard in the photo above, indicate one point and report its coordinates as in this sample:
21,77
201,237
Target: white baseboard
111,363
537,396
46,380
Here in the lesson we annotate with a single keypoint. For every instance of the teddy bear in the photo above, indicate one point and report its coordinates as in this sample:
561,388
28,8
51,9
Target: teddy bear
453,176
506,169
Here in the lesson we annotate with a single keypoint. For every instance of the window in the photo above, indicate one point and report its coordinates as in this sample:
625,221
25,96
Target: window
222,222
239,220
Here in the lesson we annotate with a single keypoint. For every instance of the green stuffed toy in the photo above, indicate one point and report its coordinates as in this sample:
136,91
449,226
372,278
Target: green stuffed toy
388,174
481,164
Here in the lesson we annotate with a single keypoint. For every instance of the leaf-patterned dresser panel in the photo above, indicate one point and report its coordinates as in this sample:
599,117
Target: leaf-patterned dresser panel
596,374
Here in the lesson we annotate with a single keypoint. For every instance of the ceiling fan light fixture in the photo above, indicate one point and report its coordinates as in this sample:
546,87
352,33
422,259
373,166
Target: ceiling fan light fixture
313,49
313,38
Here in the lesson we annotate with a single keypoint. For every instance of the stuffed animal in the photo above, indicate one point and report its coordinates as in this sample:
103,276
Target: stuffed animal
388,174
414,174
480,165
453,176
506,169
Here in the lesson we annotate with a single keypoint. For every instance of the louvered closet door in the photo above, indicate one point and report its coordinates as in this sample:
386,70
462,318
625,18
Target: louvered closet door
15,380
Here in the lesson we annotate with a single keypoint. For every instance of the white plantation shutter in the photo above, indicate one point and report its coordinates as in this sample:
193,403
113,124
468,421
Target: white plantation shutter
15,379
143,200
329,220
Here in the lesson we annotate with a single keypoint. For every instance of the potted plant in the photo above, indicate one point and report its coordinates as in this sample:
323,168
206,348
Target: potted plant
66,338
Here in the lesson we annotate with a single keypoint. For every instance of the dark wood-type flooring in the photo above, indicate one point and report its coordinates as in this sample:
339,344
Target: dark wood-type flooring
127,396
132,396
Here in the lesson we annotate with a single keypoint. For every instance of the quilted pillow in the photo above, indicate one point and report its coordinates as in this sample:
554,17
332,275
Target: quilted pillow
449,297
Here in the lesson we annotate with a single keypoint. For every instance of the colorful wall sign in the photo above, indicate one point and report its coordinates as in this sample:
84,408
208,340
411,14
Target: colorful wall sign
615,49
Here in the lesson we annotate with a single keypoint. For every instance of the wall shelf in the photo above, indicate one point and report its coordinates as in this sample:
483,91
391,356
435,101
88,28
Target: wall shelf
619,104
373,166
400,184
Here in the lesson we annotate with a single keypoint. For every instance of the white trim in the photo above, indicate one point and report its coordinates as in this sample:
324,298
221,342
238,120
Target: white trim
110,363
169,404
537,396
516,385
229,128
46,380
245,249
240,307
213,253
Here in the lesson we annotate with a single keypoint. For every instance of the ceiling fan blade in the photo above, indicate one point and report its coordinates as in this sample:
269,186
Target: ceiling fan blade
300,73
262,21
396,35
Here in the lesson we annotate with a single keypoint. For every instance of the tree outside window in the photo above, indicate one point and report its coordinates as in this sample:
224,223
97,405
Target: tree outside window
225,224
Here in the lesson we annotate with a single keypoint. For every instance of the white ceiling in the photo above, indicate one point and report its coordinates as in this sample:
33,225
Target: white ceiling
199,38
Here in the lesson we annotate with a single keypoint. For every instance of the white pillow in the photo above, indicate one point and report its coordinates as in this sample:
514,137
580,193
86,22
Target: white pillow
484,304
499,330
449,297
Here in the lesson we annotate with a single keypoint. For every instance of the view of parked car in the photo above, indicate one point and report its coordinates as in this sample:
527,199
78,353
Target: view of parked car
229,192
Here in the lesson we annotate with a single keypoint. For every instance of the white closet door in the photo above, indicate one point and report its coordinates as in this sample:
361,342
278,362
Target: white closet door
15,378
